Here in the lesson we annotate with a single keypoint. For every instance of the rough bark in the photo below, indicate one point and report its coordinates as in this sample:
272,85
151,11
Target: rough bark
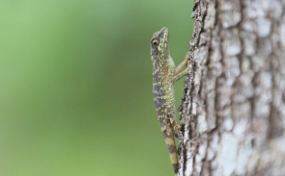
233,110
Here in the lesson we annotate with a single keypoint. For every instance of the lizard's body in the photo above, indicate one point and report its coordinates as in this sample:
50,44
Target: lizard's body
164,77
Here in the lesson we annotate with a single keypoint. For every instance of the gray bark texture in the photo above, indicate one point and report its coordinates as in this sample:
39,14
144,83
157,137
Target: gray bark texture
233,110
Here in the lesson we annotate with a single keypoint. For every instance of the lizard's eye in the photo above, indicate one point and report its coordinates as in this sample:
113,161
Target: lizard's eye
155,42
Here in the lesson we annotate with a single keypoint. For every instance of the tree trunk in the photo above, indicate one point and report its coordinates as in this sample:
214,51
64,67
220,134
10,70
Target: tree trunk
233,110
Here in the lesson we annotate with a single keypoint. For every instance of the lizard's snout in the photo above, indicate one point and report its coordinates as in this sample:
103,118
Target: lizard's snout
163,31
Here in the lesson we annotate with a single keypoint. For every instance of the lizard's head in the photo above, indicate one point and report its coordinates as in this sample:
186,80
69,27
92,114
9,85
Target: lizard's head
159,44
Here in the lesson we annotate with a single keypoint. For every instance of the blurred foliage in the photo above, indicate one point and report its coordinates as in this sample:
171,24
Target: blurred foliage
76,96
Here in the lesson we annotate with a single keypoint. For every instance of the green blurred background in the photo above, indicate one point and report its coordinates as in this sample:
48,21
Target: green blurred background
76,86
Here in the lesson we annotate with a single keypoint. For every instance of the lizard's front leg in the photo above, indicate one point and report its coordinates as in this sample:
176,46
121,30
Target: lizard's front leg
181,65
177,74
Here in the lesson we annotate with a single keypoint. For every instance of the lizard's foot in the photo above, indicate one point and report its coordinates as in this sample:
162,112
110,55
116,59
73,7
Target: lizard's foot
177,132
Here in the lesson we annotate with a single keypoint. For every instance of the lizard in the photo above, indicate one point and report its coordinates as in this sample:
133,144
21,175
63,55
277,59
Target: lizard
164,76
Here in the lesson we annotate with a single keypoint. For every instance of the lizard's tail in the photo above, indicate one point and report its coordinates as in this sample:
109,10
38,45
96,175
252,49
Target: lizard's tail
168,134
170,142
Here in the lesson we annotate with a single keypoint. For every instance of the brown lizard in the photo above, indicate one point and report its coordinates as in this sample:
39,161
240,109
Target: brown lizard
164,77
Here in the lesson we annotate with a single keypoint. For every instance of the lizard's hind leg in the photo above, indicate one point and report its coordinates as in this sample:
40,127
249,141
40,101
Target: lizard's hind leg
175,126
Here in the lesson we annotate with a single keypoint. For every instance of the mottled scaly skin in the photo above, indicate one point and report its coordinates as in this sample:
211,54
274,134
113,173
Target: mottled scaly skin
164,77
